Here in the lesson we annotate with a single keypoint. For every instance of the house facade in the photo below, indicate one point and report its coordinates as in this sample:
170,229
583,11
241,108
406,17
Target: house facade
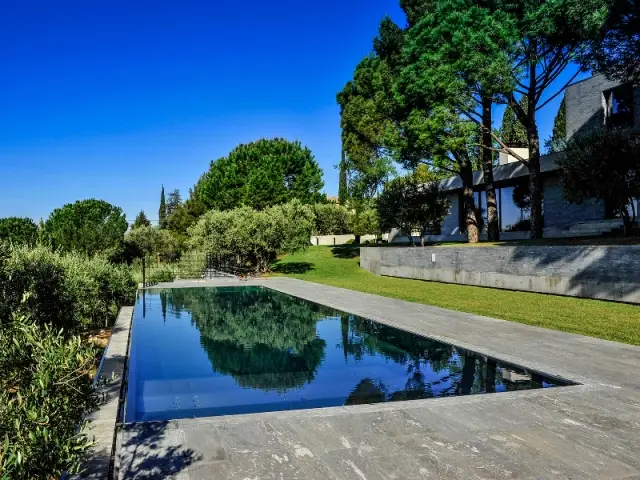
593,102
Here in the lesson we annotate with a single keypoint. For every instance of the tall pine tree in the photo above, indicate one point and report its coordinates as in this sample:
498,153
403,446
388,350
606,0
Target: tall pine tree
162,211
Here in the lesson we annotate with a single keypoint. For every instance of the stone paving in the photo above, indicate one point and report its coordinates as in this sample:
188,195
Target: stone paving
590,430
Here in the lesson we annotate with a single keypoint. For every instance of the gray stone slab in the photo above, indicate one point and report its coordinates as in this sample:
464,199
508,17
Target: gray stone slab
103,420
584,431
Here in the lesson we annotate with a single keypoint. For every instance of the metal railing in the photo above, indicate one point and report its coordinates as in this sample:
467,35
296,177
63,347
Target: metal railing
192,265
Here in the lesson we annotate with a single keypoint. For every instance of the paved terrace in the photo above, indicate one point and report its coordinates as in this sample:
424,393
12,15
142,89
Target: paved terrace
586,431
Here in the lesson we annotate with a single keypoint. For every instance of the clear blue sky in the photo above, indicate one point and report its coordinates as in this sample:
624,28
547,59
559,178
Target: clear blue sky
112,99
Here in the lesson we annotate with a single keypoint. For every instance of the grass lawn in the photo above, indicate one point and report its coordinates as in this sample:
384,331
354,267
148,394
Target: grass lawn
338,266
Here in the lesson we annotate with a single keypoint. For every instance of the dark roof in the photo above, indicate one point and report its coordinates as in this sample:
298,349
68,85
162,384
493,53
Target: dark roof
502,173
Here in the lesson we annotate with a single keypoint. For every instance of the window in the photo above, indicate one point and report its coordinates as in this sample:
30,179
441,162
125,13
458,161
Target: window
619,107
480,199
513,208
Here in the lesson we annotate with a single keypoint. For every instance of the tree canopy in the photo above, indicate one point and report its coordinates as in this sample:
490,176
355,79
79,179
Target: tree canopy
409,205
18,231
174,201
89,226
331,219
452,62
256,237
141,220
616,50
261,174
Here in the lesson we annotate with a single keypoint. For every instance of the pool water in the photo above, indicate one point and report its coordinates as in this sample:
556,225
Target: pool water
199,352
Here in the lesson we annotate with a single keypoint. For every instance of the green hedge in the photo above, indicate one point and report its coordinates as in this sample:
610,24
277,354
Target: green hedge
69,291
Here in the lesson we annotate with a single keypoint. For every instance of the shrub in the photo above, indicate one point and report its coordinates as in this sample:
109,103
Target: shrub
155,241
45,391
39,274
69,291
98,289
251,236
163,273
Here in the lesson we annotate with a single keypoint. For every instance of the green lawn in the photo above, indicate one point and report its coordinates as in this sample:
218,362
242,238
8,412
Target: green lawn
338,266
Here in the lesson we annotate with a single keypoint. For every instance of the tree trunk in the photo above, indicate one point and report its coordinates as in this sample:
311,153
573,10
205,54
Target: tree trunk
422,238
468,205
357,240
468,374
490,376
535,186
493,229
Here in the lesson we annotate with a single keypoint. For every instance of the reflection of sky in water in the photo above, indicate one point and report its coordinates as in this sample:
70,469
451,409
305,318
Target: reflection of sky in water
203,352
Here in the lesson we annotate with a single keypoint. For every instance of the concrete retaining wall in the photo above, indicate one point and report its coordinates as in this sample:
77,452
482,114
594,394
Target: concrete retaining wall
600,272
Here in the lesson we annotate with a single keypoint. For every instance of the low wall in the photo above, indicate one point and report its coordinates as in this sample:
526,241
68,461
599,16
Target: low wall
341,239
600,272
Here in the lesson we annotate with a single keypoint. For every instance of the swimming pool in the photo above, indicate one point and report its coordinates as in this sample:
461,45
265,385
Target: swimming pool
198,352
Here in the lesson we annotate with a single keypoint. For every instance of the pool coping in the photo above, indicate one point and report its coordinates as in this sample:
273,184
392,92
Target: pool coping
110,381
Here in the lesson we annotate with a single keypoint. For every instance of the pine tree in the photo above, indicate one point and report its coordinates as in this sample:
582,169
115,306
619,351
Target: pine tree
141,220
343,189
558,139
174,201
513,132
162,211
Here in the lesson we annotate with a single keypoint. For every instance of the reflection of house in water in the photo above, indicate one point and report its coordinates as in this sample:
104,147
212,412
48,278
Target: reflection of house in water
591,103
514,376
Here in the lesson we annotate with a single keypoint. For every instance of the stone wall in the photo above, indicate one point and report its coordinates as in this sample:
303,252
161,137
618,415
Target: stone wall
601,272
584,102
559,212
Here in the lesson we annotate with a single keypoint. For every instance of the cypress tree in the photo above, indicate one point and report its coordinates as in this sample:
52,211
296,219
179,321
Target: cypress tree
513,132
162,211
558,139
343,189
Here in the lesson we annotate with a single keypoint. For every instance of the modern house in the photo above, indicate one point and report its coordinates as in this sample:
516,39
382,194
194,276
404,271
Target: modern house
592,102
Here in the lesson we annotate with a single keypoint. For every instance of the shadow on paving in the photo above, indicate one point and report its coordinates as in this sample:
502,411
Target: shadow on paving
153,450
292,267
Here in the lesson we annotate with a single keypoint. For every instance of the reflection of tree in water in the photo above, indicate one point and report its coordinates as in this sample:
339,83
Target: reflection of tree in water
263,338
361,337
459,372
264,367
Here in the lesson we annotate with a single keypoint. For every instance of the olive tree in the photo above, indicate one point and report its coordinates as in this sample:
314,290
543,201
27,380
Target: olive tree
331,219
254,237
